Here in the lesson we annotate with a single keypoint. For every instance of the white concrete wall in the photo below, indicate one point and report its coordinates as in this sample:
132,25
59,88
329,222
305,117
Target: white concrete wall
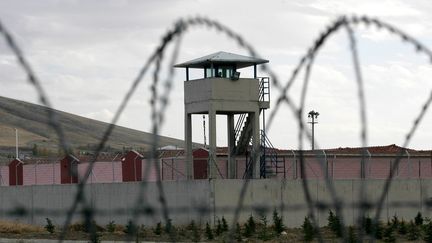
186,199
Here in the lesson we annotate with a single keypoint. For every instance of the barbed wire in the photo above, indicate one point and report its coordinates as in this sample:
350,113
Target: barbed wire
159,104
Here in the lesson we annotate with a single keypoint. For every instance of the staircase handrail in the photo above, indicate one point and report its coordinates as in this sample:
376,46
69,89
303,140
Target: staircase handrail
239,125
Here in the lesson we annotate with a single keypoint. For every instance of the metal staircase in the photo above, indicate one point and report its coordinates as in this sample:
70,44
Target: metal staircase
271,164
243,128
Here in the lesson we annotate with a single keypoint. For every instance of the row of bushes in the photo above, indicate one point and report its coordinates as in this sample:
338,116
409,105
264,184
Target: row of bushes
419,228
195,232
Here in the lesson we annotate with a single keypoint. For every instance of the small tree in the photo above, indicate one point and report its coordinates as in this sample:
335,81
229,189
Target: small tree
278,223
238,234
395,222
195,232
428,233
49,226
351,235
402,228
263,235
388,235
209,232
218,230
158,229
334,224
413,232
367,225
418,220
378,230
224,224
249,227
308,230
111,226
251,223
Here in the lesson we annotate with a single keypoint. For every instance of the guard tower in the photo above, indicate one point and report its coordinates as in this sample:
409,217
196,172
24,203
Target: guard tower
223,90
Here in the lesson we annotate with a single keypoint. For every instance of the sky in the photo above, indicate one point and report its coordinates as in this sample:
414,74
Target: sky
87,53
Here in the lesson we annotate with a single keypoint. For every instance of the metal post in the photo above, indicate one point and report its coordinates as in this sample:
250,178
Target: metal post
294,165
369,162
135,175
16,143
313,115
16,174
326,164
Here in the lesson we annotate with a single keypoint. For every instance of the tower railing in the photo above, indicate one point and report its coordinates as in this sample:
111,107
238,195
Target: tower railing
264,88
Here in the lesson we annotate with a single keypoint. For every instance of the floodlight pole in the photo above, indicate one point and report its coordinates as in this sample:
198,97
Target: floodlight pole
313,115
16,144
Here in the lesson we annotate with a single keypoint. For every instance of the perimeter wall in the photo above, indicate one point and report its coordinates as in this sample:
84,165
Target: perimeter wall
206,200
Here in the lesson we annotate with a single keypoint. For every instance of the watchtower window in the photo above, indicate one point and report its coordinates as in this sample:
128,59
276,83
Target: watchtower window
220,72
209,72
224,72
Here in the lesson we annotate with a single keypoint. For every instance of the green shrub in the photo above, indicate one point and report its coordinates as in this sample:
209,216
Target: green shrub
418,220
218,230
238,235
111,226
208,231
351,235
196,236
249,227
308,230
378,230
388,235
402,228
251,224
395,222
49,226
413,232
367,225
428,233
334,224
224,224
158,229
278,223
263,234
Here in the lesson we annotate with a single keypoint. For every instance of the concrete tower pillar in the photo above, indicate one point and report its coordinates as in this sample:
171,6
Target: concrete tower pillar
232,166
188,146
213,173
255,143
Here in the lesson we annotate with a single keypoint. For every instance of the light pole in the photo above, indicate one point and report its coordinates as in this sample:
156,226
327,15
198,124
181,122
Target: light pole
313,115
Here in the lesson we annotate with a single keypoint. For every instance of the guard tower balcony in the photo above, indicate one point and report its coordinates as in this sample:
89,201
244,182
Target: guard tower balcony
222,81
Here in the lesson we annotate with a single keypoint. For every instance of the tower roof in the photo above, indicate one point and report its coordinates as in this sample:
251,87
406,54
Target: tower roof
222,58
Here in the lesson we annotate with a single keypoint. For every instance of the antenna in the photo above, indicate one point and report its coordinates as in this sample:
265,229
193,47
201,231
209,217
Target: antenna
16,143
313,115
204,132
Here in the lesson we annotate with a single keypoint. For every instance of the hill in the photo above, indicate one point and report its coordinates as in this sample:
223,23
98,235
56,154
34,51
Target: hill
31,121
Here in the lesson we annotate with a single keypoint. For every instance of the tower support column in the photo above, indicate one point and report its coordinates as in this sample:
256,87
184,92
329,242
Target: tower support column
213,174
188,146
255,143
231,143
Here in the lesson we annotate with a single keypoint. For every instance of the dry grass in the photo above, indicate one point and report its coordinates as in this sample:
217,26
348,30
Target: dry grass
7,227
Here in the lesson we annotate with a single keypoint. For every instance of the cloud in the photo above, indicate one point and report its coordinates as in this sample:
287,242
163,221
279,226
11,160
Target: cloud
87,54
